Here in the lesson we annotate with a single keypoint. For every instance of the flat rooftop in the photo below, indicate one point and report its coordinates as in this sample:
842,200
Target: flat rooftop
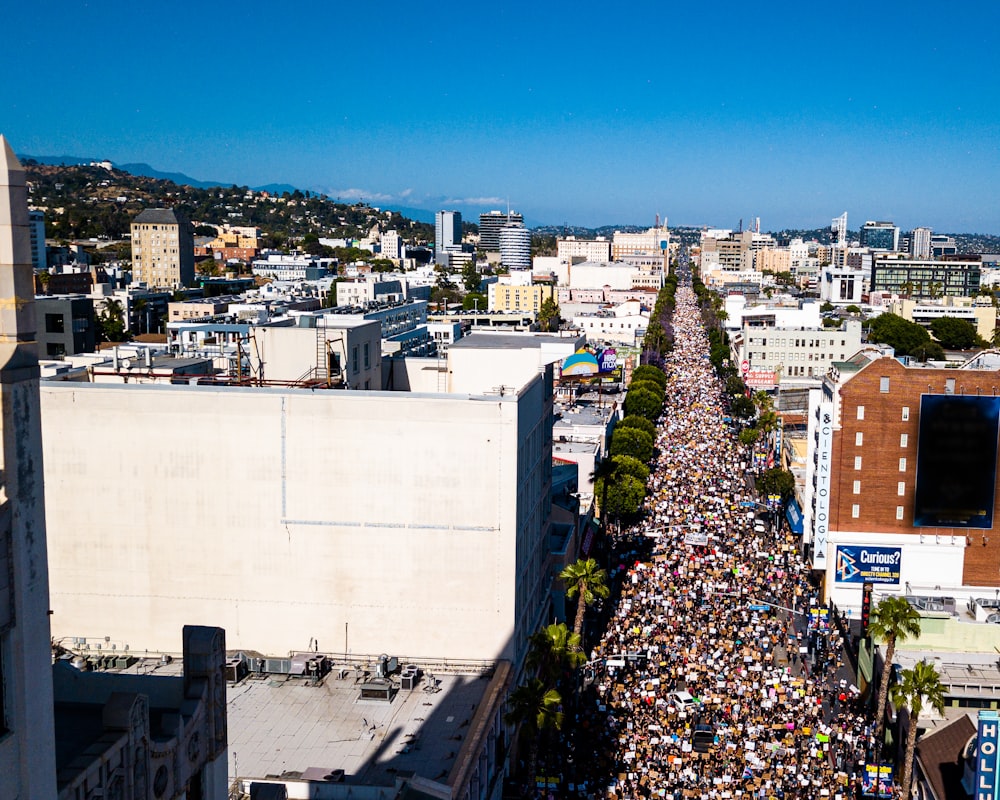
504,341
284,726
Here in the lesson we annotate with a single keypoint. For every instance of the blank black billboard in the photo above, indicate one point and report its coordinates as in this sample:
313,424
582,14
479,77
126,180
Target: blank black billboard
956,461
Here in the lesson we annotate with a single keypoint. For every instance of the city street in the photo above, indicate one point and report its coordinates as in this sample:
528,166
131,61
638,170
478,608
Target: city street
717,674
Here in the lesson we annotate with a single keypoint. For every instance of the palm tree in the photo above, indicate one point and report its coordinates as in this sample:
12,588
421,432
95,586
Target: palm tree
534,708
587,581
917,687
892,620
552,648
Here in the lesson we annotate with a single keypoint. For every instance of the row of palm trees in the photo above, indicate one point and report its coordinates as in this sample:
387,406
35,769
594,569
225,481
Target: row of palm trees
894,621
554,654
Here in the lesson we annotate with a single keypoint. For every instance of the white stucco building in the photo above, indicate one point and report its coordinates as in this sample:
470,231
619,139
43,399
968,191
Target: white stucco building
373,522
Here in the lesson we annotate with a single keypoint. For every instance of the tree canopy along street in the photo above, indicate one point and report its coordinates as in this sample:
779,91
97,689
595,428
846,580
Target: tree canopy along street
718,675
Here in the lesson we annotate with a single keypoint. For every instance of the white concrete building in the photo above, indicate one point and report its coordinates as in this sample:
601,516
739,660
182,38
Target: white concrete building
842,285
598,249
597,275
795,352
515,247
382,522
391,245
624,324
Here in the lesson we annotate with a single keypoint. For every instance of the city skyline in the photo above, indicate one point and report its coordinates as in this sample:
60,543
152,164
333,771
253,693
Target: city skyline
701,116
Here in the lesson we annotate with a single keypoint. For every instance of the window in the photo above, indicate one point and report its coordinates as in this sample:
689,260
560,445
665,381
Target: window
857,462
902,465
55,349
883,385
901,488
861,412
368,362
904,440
54,323
855,511
906,413
859,439
857,487
354,358
899,512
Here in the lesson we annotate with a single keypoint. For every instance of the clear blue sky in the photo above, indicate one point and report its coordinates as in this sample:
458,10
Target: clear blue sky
586,113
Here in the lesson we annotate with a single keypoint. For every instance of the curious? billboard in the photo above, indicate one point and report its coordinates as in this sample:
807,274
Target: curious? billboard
860,563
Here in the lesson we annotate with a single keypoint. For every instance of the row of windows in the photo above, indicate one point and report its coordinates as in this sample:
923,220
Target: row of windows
856,510
904,441
905,416
794,342
857,463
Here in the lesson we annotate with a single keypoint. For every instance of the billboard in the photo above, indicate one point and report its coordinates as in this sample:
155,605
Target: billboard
862,564
956,461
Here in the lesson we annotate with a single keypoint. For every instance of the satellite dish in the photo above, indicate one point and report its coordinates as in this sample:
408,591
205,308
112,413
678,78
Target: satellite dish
127,363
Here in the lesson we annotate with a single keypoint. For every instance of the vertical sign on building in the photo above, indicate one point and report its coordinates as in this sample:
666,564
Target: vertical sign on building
824,460
986,755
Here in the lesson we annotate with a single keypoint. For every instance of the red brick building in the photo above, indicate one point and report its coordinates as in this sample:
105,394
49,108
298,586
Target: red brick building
873,476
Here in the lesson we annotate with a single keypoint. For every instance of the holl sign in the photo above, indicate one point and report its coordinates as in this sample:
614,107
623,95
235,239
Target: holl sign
986,755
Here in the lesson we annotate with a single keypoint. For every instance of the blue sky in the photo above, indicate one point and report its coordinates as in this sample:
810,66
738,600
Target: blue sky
582,113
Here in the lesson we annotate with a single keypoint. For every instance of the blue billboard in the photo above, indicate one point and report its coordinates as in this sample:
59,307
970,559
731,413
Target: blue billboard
860,563
956,461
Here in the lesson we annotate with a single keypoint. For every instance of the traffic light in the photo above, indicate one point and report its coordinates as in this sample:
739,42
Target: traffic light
866,606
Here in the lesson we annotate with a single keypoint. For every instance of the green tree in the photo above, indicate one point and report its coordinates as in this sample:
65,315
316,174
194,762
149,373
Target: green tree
553,649
111,322
474,301
628,465
776,481
955,334
635,421
893,620
827,307
587,582
906,338
749,435
632,442
534,708
624,497
853,309
603,476
548,315
644,403
743,407
649,372
471,278
917,686
648,386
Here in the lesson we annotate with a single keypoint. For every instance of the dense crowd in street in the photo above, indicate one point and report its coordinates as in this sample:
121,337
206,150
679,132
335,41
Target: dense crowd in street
772,715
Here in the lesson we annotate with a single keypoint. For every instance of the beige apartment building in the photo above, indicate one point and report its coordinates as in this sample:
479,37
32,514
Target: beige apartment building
519,298
162,249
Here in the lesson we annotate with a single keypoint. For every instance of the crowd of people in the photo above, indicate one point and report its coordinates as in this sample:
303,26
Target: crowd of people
705,685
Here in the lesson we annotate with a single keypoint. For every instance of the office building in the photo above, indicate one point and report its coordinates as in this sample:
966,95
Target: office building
507,297
27,743
880,236
392,245
597,250
66,326
36,224
447,234
906,477
943,245
490,226
838,227
515,247
162,249
653,241
842,286
920,243
912,277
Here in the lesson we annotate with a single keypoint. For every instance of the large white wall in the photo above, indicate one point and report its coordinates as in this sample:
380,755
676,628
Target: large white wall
284,515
